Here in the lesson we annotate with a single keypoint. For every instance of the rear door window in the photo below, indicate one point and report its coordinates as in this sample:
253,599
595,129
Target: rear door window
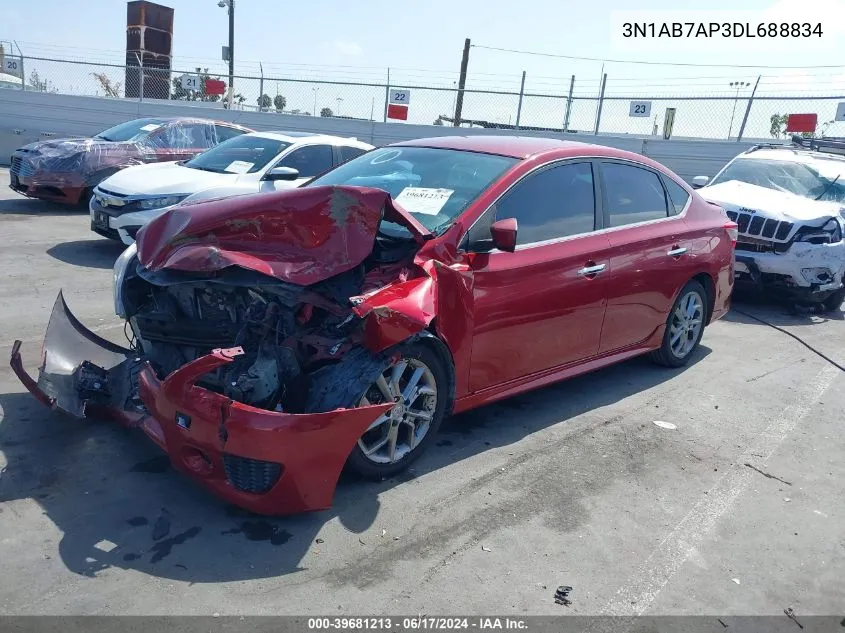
634,194
310,160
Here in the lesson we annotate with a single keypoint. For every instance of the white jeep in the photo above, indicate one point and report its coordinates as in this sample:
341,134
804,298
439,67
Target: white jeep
789,203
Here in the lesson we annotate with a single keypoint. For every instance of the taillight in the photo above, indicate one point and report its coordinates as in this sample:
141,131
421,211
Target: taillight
732,229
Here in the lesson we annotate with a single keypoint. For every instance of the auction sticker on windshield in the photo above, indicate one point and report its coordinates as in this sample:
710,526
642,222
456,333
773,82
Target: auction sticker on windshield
239,167
424,200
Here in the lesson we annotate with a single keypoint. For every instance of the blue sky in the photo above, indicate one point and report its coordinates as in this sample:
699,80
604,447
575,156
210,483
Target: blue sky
422,43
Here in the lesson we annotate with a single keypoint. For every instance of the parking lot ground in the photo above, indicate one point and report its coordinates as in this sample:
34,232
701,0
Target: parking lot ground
737,510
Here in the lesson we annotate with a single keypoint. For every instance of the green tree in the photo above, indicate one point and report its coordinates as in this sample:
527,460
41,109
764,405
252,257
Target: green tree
778,124
264,102
326,112
280,102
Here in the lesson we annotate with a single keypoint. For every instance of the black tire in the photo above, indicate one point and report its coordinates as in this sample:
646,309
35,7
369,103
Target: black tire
834,301
363,466
665,355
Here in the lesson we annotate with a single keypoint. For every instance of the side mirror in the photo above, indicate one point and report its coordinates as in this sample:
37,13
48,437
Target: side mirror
282,173
504,234
699,181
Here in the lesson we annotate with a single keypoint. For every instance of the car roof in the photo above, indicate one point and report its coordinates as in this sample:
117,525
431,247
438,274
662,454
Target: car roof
192,119
789,153
513,146
295,137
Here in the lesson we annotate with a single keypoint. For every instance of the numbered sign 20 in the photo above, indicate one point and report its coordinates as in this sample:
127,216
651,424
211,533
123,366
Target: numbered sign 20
400,96
191,82
13,66
640,108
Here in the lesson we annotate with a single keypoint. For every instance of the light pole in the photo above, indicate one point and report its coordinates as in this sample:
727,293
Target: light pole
738,85
231,5
339,99
316,89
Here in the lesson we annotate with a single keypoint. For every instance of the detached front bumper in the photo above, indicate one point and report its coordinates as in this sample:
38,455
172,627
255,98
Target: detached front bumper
263,461
806,272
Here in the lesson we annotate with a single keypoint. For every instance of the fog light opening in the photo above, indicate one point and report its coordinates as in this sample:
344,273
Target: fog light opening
196,461
817,275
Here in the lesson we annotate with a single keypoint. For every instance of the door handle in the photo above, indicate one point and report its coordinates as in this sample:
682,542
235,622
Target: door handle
591,270
677,252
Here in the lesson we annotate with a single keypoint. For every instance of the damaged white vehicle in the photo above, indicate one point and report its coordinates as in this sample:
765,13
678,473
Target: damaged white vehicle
789,204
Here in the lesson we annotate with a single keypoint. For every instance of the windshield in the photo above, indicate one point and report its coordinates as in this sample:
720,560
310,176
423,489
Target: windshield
242,154
435,185
129,130
815,178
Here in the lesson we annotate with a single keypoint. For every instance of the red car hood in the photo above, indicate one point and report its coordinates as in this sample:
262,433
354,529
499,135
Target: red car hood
302,235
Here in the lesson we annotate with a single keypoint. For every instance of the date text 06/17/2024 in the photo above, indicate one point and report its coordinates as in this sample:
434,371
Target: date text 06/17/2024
770,30
417,623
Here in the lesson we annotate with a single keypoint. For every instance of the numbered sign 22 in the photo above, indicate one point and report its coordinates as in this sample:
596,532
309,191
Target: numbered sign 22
400,96
191,82
13,66
640,108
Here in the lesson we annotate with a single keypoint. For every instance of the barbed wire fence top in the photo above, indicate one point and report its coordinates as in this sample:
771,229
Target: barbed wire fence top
707,106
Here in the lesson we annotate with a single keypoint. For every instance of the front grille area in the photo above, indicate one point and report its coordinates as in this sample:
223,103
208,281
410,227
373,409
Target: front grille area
760,227
21,168
251,475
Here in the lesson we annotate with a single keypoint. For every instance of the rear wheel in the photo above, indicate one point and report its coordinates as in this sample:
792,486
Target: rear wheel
418,384
684,327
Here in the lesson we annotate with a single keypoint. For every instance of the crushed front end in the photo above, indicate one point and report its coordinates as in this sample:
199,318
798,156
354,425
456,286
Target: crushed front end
250,382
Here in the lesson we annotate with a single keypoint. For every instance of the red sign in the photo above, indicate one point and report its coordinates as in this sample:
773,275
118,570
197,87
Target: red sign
801,122
215,86
395,111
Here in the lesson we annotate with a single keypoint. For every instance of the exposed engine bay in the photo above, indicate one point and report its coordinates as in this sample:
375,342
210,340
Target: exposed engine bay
287,332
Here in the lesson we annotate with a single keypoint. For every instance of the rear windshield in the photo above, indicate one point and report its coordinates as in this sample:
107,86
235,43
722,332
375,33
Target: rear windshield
130,130
243,154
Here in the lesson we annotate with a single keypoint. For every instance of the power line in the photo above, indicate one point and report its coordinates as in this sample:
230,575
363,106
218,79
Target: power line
642,62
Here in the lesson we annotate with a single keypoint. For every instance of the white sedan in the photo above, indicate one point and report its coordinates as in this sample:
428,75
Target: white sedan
249,163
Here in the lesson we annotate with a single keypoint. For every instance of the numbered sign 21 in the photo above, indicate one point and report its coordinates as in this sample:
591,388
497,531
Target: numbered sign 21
13,66
640,108
400,96
191,82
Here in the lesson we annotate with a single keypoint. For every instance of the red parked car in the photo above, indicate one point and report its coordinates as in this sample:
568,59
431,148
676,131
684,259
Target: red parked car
66,170
277,337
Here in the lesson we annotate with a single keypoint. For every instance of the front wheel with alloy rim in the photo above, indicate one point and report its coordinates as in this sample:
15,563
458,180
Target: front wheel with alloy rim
684,326
418,384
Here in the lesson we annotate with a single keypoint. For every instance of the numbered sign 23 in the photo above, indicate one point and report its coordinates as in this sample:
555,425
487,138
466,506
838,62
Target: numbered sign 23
191,82
13,66
640,108
399,96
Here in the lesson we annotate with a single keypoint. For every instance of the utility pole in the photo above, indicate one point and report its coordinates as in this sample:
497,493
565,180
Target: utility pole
738,85
462,82
231,5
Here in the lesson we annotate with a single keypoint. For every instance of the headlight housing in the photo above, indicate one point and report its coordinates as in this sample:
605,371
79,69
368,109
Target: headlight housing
121,268
829,233
158,203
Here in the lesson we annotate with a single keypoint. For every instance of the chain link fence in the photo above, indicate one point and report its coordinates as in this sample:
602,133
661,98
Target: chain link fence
605,109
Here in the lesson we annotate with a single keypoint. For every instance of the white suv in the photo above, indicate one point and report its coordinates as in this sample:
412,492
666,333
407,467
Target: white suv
789,203
249,163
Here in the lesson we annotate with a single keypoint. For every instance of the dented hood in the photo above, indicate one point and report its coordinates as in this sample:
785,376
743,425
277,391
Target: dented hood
302,235
735,195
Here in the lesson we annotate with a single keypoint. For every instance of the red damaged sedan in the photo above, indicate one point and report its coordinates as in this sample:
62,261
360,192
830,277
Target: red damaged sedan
278,337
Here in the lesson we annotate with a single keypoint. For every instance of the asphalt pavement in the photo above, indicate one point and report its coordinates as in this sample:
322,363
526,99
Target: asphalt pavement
737,510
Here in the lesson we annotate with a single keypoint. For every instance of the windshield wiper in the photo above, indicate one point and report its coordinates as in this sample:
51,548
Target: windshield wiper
211,169
826,189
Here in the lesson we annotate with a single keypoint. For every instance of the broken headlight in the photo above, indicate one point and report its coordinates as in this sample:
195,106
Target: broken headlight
121,266
829,233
